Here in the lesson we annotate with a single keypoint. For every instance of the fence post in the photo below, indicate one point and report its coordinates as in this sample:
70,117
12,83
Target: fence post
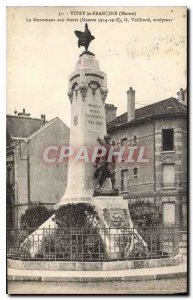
173,242
55,246
99,237
82,241
49,240
71,244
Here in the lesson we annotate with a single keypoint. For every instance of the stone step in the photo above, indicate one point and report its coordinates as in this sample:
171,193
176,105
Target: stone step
183,244
183,236
183,251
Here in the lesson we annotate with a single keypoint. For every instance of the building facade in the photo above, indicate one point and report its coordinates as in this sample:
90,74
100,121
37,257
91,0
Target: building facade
30,180
160,129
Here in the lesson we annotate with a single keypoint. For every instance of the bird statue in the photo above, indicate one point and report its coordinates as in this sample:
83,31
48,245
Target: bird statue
84,38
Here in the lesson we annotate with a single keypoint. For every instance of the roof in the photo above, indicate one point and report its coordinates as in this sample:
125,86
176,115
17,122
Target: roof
22,127
165,107
47,124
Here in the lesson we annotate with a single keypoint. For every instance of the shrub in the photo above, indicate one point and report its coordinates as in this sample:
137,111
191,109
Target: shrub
34,216
144,214
76,236
76,216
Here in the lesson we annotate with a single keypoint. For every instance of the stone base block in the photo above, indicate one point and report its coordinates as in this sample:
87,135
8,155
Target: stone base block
72,200
94,266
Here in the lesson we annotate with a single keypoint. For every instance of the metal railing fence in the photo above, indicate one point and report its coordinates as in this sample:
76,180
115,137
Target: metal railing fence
96,244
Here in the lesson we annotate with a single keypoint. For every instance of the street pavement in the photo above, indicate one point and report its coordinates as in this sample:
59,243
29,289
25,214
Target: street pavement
163,286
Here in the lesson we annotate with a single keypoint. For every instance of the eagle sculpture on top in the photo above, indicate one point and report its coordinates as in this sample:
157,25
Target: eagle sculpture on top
84,38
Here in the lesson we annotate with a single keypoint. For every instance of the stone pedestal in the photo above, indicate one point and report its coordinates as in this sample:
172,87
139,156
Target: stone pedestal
115,220
87,93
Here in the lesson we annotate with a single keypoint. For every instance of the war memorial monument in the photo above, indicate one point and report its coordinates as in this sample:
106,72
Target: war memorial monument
113,242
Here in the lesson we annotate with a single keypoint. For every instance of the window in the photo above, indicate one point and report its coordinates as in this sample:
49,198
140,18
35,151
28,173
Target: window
10,173
124,143
184,215
134,140
135,171
167,139
169,175
124,180
168,213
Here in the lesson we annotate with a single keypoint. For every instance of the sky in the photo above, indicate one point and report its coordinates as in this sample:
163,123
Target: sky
149,56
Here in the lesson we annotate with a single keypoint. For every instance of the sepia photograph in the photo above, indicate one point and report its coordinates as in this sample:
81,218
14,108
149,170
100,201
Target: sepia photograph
96,150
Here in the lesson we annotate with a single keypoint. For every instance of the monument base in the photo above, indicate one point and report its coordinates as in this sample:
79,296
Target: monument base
94,266
74,200
114,221
114,214
108,193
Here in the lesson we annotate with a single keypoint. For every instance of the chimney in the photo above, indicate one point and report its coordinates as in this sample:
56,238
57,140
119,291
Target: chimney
110,112
182,96
23,114
43,118
130,104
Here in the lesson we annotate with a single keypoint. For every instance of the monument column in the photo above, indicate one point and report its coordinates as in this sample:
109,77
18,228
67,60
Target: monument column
87,93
